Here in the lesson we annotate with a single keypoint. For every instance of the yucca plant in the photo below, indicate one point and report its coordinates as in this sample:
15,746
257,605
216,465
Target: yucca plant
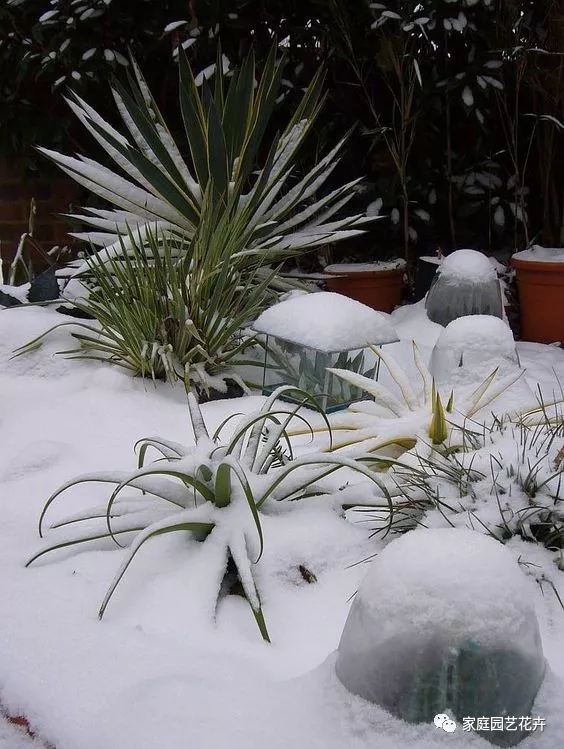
209,186
208,231
209,490
155,317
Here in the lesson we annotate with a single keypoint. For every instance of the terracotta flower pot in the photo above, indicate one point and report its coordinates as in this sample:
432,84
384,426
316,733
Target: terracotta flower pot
541,299
379,286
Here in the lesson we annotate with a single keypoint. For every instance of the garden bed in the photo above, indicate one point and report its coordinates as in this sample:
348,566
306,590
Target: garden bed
158,671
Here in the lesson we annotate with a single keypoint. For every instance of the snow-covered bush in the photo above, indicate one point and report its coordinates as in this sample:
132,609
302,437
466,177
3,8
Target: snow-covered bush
150,321
222,223
213,492
506,480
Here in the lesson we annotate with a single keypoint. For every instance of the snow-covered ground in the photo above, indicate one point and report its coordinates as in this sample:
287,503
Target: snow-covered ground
14,737
157,673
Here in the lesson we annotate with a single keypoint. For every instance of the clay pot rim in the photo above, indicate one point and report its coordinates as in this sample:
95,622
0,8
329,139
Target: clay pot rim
388,273
537,265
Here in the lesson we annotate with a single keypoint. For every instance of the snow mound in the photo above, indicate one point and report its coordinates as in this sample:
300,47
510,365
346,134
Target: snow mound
326,321
542,254
471,342
447,579
469,266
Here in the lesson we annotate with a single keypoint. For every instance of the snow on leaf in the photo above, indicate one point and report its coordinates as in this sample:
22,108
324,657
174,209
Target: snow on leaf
174,25
422,214
48,16
467,96
494,82
375,207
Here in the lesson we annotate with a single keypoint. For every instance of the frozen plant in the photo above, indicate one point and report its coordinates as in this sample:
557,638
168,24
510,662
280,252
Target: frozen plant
391,424
507,481
212,491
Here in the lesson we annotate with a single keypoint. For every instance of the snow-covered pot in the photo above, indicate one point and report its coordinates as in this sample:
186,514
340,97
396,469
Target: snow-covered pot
473,342
378,285
444,621
540,285
466,283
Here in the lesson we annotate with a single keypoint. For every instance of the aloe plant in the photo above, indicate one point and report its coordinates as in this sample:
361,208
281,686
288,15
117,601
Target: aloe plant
207,490
310,370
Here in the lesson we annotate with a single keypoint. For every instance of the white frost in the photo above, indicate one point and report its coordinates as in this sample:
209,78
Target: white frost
327,322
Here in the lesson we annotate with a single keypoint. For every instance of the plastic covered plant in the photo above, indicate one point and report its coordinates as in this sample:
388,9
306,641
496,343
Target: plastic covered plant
210,491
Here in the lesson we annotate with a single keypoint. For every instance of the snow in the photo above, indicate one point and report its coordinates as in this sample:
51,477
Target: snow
448,579
467,265
157,669
474,342
541,254
327,322
382,265
15,737
430,600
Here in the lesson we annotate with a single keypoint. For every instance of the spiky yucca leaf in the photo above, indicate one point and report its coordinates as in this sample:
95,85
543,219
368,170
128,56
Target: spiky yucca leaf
166,317
177,187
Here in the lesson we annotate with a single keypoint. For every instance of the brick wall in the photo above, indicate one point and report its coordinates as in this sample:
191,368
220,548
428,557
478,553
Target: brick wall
53,195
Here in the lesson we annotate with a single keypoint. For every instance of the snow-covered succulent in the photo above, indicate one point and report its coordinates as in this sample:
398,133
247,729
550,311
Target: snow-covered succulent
209,491
390,423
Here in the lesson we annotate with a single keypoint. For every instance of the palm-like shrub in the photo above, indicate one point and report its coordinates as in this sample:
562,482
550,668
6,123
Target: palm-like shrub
205,229
209,187
207,490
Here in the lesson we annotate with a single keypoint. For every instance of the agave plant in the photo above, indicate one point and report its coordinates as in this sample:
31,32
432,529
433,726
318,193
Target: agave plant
242,217
208,490
396,423
309,369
